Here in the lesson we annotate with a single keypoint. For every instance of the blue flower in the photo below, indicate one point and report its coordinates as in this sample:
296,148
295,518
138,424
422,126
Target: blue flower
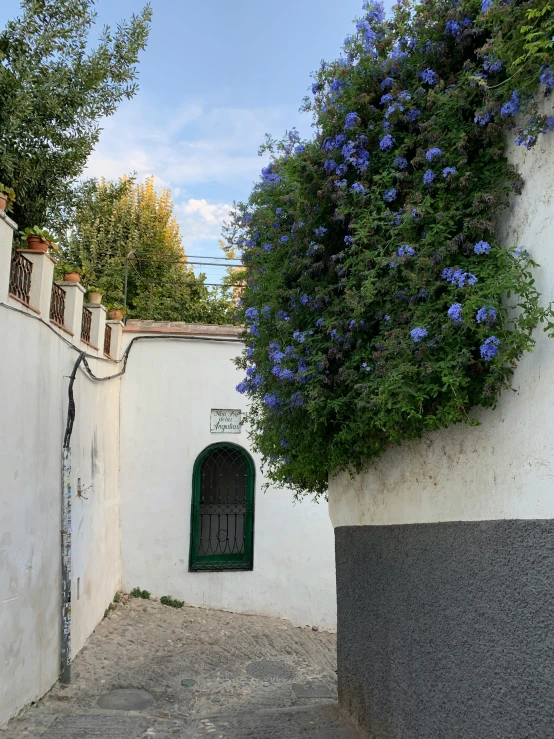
341,183
482,117
546,77
366,366
512,106
329,166
316,87
489,349
269,175
300,149
242,387
521,251
485,5
284,239
342,169
433,154
428,177
406,251
358,188
283,316
336,336
387,319
486,315
387,98
251,315
389,195
453,27
448,171
458,278
271,400
297,399
492,64
351,121
348,240
482,247
418,334
267,247
400,163
319,323
387,142
387,82
320,232
413,115
428,76
336,86
455,312
305,299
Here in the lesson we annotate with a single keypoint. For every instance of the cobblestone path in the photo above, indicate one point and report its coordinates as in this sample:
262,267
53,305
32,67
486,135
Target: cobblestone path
204,673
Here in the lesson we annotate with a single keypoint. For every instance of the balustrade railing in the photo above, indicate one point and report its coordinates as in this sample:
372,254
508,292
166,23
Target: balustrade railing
57,305
20,277
107,340
86,324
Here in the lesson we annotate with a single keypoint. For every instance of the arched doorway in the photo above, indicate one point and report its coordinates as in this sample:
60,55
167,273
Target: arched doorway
222,516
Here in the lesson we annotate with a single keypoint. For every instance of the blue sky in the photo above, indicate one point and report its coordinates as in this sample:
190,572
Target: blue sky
216,76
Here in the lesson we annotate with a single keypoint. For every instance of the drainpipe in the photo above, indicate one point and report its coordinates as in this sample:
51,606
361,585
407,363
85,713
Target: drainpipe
65,657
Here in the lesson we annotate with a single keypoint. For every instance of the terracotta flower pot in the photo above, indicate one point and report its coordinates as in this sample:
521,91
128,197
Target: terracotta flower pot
72,277
3,201
115,315
36,243
95,298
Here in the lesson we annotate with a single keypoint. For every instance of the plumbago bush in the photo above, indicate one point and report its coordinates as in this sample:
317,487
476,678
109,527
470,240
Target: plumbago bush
379,303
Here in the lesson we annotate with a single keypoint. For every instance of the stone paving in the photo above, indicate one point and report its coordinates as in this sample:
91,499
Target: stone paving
193,673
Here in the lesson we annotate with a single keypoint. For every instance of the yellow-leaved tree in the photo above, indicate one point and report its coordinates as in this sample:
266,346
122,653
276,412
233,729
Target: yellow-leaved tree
129,228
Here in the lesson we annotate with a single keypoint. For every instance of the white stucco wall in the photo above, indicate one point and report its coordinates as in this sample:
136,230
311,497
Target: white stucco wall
34,369
503,469
167,394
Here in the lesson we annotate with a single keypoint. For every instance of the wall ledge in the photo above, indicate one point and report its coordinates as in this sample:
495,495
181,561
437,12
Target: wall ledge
175,328
8,221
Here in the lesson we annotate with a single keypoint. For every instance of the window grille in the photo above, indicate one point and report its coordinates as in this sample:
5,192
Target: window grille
57,305
20,277
222,530
86,324
107,340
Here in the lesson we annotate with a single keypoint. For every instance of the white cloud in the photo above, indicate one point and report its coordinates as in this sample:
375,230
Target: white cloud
193,146
201,221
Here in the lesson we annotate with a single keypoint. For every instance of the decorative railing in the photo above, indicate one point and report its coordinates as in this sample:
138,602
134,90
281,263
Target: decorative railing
86,324
20,277
57,305
107,340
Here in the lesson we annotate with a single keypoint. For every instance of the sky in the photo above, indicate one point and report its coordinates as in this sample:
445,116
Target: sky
217,75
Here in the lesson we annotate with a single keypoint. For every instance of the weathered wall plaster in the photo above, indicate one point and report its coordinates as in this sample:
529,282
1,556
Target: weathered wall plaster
33,397
167,395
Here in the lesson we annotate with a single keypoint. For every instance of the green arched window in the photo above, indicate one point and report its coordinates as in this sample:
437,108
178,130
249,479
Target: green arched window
222,518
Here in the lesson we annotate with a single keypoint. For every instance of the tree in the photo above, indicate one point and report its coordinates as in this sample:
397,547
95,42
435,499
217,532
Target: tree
125,226
54,91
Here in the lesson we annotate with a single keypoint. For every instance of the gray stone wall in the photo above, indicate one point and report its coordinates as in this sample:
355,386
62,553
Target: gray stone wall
446,631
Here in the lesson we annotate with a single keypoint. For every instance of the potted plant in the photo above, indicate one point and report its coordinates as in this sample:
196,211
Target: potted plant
38,239
116,313
7,197
94,295
71,273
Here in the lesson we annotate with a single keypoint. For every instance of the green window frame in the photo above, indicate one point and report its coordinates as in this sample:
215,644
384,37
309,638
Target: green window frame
222,510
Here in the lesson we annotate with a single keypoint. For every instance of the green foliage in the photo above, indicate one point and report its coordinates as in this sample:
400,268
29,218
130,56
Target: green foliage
117,598
9,193
138,593
380,303
167,600
37,231
117,223
54,90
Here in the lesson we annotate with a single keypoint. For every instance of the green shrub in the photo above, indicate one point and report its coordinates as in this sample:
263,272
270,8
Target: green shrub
379,303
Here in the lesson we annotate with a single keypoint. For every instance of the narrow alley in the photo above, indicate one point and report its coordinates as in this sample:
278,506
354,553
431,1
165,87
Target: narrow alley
151,670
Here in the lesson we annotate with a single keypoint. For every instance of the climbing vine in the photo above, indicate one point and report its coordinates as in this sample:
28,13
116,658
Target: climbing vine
379,303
